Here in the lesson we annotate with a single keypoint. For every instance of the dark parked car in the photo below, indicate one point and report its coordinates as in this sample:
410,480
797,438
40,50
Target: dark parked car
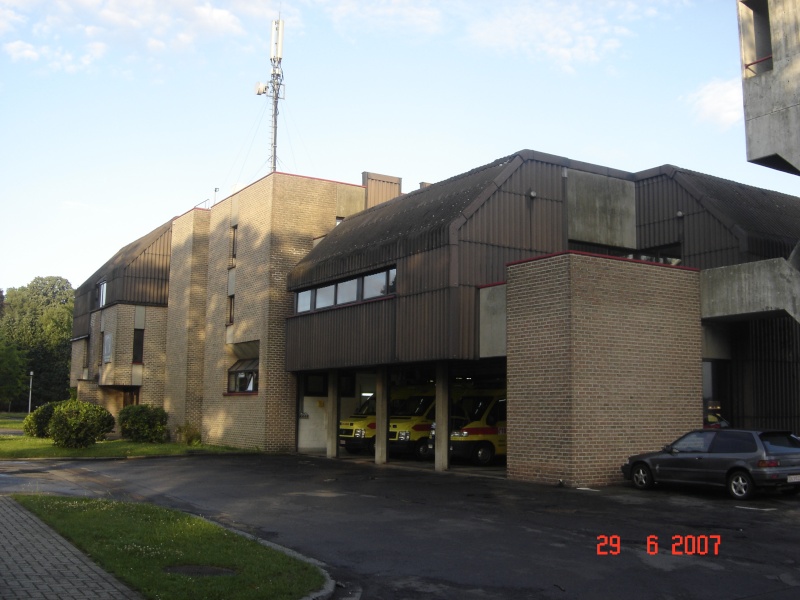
739,460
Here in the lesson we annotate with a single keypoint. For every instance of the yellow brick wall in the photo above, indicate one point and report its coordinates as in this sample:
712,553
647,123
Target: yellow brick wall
604,361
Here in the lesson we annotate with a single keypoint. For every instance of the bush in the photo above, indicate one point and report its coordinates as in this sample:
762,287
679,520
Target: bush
188,434
143,423
36,423
77,424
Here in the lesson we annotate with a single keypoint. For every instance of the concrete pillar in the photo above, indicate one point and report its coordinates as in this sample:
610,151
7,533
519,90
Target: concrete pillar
332,415
442,443
381,417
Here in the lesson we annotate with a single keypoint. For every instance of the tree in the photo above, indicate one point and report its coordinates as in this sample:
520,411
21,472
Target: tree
37,320
12,373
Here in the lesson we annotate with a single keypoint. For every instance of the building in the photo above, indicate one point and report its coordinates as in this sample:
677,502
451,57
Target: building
610,308
769,39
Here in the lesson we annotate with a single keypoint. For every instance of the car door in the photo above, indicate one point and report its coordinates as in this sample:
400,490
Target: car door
728,449
684,461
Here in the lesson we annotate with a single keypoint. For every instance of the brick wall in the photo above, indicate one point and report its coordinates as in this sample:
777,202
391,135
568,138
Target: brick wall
604,360
186,319
278,218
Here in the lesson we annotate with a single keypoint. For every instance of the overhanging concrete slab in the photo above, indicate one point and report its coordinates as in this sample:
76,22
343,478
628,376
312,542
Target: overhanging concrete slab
750,290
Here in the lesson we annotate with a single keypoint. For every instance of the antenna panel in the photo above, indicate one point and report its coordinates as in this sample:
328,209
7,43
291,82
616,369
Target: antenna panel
276,40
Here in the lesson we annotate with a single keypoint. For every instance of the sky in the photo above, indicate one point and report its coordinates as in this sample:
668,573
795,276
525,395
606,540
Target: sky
118,115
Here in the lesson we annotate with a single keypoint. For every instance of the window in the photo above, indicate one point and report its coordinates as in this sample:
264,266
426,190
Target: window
101,294
367,287
347,291
243,376
234,232
138,345
304,301
697,441
739,442
231,309
326,296
108,347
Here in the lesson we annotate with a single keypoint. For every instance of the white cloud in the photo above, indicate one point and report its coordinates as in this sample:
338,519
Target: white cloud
718,102
565,32
410,15
217,20
20,50
9,19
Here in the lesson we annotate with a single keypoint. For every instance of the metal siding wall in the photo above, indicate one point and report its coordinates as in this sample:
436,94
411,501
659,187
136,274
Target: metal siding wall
424,271
705,241
349,336
766,385
422,320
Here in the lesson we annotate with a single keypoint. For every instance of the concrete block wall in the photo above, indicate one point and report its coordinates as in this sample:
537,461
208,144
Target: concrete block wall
604,361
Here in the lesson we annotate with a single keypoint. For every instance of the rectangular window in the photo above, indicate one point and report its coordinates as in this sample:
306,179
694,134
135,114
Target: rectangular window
374,285
101,294
304,301
756,37
234,232
347,291
231,308
243,376
108,347
138,345
326,296
392,287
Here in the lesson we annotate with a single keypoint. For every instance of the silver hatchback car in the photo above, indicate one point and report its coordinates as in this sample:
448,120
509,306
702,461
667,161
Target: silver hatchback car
740,460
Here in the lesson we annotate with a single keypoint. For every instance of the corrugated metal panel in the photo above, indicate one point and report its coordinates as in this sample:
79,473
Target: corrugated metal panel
424,271
348,336
423,323
766,390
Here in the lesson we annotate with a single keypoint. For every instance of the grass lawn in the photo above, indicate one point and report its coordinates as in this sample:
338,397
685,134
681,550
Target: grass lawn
12,420
140,543
16,446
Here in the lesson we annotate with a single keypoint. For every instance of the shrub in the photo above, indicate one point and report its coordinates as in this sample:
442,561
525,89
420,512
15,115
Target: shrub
35,424
77,424
143,423
188,434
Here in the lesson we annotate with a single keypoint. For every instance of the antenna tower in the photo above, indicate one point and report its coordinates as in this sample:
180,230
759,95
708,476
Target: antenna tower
274,89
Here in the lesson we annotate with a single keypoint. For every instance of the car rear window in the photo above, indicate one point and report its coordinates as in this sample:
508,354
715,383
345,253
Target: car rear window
734,442
777,442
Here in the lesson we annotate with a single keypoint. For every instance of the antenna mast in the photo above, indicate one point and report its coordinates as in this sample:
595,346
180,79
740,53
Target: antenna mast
274,89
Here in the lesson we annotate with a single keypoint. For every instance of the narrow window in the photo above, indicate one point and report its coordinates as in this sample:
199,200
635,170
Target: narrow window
108,347
101,294
374,285
231,308
234,232
138,346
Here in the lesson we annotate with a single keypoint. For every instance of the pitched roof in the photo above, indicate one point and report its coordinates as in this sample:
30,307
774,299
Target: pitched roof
408,224
756,211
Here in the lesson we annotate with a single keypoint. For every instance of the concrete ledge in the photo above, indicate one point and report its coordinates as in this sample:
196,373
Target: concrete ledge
750,290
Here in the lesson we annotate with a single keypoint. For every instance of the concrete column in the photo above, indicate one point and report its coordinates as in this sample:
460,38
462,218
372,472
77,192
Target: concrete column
442,444
332,415
381,417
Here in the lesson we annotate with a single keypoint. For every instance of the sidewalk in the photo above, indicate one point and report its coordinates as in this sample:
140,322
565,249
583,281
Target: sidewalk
38,564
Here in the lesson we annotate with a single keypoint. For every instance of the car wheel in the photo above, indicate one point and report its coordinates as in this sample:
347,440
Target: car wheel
421,449
740,485
642,476
483,455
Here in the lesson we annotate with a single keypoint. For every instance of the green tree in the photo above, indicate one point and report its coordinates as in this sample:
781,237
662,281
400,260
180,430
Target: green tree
12,373
37,320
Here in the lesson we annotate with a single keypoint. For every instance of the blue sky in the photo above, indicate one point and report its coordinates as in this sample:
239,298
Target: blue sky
117,115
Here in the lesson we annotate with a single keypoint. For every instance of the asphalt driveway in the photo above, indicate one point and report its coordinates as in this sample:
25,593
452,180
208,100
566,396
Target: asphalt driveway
398,533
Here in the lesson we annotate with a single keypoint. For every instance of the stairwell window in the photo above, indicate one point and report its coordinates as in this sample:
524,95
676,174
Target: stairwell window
243,376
